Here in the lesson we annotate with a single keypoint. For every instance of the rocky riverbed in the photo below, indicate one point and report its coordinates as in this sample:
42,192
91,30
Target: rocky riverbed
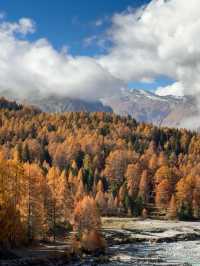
152,242
130,242
127,230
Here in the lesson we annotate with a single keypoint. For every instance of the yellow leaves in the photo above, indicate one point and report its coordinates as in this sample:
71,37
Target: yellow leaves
86,215
172,210
162,159
164,172
12,191
184,190
80,191
127,157
101,201
100,186
163,193
12,230
144,186
92,241
116,164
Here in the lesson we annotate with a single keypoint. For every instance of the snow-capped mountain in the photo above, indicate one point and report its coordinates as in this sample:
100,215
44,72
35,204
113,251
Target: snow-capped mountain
146,106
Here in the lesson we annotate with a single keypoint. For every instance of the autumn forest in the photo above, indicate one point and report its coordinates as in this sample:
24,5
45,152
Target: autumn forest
60,173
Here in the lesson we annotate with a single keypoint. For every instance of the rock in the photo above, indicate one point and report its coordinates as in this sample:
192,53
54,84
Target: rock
101,259
7,255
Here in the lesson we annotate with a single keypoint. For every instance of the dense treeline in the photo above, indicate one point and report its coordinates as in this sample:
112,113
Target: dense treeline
63,170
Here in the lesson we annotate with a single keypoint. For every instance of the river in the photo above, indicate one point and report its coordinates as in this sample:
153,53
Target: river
178,253
173,250
184,253
131,242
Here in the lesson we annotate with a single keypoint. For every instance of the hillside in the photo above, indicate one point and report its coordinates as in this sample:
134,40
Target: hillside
62,163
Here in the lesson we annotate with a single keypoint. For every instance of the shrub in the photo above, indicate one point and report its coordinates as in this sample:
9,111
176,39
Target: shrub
93,241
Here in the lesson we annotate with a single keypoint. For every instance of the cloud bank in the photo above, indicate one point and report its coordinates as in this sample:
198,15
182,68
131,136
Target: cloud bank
176,89
161,38
36,68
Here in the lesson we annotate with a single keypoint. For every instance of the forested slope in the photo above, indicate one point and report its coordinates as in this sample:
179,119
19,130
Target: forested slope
62,169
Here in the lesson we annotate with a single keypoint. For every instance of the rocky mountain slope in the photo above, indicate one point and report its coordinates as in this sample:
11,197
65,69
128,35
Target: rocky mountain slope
148,107
56,105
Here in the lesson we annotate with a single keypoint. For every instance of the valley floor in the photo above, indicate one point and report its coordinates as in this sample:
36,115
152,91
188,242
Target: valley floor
136,230
152,242
120,233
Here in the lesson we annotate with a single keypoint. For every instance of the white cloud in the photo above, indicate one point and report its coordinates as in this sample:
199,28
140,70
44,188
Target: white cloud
90,40
162,38
30,68
175,89
23,26
99,23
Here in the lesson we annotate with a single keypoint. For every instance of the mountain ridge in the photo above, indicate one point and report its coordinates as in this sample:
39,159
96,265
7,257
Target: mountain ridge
146,106
143,105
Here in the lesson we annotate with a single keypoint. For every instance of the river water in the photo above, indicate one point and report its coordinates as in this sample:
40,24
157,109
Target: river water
178,253
183,253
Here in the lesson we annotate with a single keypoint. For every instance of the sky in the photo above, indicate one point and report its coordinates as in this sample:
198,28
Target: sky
68,22
74,24
93,49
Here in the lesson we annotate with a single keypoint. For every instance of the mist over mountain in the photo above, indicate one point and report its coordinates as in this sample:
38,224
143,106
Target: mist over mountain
144,106
56,104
